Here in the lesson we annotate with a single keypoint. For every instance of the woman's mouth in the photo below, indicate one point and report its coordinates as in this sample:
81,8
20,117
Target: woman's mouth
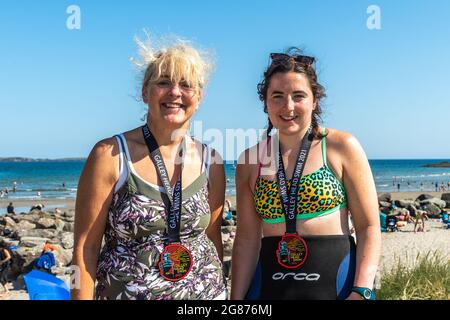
288,118
172,105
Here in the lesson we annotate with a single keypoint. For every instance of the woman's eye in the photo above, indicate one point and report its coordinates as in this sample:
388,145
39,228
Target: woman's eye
164,83
299,97
185,84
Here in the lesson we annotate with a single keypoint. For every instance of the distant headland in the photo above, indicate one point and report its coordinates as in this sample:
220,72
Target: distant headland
444,164
20,159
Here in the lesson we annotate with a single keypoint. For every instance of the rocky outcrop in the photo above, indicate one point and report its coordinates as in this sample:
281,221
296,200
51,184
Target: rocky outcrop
28,234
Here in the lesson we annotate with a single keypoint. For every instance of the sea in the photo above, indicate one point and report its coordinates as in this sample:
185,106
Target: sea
59,179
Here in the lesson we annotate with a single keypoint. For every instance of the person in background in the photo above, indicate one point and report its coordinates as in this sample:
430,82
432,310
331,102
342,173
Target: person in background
5,263
10,208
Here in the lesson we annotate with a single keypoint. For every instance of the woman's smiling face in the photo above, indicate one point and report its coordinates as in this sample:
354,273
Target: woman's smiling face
173,104
290,102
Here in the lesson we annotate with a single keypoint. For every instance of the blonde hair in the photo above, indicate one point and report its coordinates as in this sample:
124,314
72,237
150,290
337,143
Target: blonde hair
177,60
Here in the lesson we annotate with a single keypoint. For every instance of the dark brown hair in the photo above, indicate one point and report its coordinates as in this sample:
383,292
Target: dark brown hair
291,65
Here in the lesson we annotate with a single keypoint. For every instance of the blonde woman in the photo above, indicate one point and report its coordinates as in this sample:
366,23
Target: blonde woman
155,194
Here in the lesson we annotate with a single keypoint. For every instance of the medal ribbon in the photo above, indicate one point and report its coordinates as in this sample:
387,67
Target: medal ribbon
289,204
174,212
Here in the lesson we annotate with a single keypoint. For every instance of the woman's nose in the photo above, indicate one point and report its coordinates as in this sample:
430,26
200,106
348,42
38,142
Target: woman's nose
289,103
175,90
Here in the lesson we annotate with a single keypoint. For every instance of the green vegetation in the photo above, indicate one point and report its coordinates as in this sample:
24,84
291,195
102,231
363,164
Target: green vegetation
428,279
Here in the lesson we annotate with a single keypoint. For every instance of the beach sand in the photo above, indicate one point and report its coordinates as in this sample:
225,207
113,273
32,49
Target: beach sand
63,204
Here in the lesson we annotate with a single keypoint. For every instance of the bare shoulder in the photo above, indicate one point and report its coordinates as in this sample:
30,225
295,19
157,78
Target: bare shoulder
104,159
248,161
105,149
342,142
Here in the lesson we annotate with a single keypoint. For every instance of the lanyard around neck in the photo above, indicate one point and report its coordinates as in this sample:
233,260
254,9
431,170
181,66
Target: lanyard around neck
289,202
175,195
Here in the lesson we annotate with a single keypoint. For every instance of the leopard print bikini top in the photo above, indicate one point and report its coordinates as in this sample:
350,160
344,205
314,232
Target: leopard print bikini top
320,193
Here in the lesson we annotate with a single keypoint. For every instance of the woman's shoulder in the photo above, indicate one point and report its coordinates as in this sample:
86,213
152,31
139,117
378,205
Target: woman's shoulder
251,156
341,141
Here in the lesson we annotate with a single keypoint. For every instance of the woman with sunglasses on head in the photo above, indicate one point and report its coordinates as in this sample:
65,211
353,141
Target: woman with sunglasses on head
155,194
294,191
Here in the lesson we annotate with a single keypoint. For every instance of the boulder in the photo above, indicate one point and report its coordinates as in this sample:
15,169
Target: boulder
59,224
385,197
45,223
412,210
432,210
384,204
63,257
24,225
446,198
424,197
69,214
437,202
404,203
31,242
39,233
9,223
69,227
66,240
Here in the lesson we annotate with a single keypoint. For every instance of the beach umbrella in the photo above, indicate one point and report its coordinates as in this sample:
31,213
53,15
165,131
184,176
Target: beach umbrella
44,286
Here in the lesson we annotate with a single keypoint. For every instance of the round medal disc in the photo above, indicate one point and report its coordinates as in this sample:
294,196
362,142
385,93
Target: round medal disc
175,262
292,251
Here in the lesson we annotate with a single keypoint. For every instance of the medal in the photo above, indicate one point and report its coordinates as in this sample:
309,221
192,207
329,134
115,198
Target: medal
292,251
175,262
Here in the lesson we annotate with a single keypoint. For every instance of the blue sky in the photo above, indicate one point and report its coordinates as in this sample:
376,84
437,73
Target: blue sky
62,90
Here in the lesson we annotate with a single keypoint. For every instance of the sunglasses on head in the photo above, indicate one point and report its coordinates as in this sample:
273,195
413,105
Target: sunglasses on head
282,57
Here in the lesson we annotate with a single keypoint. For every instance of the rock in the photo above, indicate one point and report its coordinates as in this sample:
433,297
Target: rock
385,197
437,202
45,223
227,249
39,233
69,214
228,229
9,223
31,242
24,225
63,257
412,210
66,239
424,197
59,224
29,217
432,210
446,198
226,222
404,203
69,227
225,237
384,204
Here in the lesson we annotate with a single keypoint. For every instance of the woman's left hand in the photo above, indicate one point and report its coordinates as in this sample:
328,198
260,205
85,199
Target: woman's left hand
354,296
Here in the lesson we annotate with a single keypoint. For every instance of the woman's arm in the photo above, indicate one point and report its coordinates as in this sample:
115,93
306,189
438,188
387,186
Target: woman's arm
95,190
363,205
216,198
248,233
6,255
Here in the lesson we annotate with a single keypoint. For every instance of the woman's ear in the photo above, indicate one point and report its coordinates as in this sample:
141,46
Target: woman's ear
144,93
